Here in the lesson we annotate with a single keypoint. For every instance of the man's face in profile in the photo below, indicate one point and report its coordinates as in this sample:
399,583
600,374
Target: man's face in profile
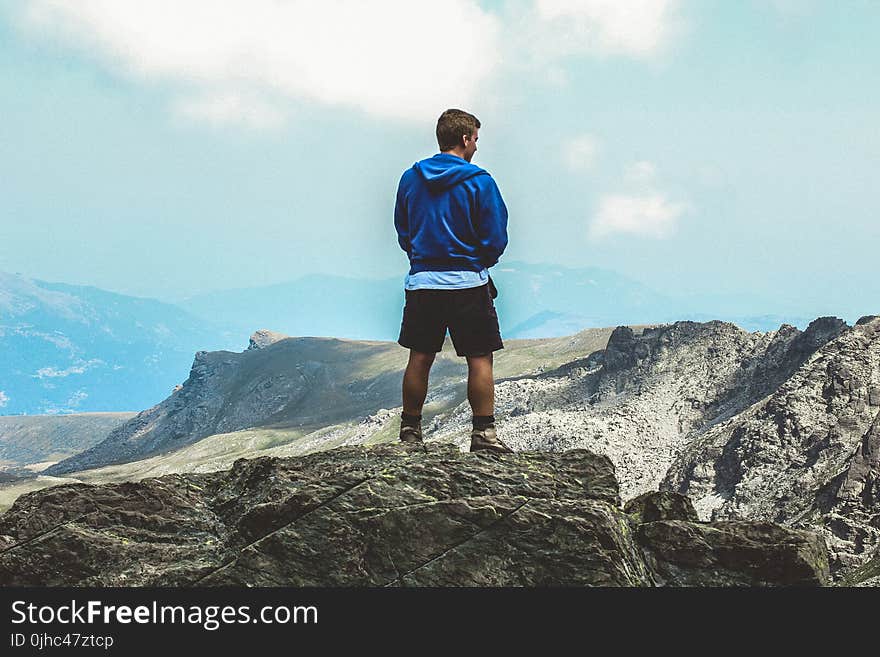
470,145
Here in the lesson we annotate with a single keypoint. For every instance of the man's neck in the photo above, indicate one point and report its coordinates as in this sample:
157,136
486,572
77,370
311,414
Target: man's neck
456,152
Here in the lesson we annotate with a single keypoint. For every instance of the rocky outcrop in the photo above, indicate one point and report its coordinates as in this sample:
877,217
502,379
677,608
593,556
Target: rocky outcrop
263,338
661,505
198,409
868,574
391,515
733,553
647,396
807,455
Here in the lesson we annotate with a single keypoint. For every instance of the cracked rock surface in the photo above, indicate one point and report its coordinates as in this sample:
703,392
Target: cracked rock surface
391,515
647,396
806,455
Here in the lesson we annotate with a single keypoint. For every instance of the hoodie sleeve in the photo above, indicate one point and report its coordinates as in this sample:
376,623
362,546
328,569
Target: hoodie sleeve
401,219
492,223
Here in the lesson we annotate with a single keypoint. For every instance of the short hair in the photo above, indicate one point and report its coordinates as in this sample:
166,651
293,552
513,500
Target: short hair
452,124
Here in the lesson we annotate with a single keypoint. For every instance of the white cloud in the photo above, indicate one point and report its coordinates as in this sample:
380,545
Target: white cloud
70,406
635,28
651,215
579,154
226,58
53,372
249,62
77,398
4,399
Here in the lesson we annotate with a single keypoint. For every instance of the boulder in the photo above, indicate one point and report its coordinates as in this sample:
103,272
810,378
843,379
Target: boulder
390,515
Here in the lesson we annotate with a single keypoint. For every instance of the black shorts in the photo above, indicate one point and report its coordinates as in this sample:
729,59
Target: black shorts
468,313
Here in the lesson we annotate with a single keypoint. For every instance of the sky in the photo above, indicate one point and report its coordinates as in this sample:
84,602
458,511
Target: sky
170,148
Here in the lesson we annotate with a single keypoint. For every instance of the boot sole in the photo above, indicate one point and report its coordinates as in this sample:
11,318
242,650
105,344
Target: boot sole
497,449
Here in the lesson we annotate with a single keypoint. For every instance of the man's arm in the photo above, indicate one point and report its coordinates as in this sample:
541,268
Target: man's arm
492,223
401,219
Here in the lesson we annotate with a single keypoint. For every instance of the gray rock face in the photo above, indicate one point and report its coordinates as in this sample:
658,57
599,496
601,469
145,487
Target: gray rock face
734,553
198,409
647,396
868,574
391,515
808,455
661,505
263,338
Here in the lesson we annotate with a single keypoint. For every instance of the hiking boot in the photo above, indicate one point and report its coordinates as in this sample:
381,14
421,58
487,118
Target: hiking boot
411,435
487,439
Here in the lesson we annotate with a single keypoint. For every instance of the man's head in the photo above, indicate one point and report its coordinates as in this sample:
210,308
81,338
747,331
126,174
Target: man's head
457,133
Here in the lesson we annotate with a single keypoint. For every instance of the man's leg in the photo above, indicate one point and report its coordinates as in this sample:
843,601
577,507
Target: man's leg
481,384
415,381
481,395
415,389
474,330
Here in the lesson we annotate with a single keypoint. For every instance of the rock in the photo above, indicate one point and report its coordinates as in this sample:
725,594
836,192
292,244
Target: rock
263,338
868,574
390,515
808,455
661,505
734,553
648,396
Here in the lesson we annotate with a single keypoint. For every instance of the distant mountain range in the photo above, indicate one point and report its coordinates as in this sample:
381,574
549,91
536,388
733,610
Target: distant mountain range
535,301
70,349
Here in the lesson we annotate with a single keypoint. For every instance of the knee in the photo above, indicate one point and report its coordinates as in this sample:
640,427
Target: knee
480,362
420,359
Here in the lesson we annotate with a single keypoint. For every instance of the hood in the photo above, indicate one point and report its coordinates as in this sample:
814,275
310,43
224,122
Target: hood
444,171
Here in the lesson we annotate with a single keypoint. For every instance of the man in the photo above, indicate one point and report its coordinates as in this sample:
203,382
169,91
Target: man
452,223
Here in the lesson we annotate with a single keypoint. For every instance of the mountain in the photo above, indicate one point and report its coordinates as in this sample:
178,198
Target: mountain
535,301
392,515
807,454
73,348
531,302
33,442
646,396
313,305
301,385
779,426
550,300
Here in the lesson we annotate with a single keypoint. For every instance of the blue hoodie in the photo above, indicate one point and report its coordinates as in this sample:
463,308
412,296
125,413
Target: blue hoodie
449,216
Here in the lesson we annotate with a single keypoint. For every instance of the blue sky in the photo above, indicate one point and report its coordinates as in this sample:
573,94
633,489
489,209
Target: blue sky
164,149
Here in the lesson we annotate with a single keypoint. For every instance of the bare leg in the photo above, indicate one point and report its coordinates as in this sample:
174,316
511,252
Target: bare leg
415,381
481,384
